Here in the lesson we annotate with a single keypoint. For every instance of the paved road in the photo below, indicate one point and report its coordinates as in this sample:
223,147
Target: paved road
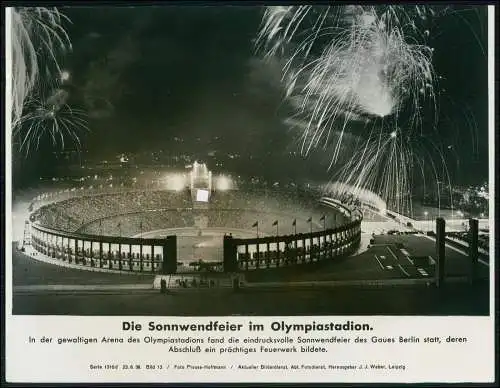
454,299
457,263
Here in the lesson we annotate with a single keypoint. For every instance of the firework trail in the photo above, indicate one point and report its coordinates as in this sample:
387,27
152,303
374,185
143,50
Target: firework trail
50,117
346,64
351,62
388,165
38,37
39,99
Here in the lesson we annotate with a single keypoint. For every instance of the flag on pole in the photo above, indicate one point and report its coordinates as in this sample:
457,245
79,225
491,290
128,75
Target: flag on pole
294,223
255,224
275,223
322,218
309,219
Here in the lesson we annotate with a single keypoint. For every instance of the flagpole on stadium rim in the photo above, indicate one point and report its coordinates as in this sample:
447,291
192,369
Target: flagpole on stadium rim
277,234
295,227
256,225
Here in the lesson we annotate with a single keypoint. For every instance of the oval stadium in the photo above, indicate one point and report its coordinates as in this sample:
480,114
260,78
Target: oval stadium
189,230
123,229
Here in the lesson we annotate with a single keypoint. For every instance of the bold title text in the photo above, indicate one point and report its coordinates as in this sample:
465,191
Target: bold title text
226,326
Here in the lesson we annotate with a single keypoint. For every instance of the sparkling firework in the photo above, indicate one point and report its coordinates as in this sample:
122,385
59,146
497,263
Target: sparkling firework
347,64
38,37
50,117
387,164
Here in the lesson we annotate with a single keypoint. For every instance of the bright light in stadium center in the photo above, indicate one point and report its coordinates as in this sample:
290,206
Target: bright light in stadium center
223,183
175,182
393,134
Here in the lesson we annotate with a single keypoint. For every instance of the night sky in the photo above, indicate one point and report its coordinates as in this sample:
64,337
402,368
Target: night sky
169,71
147,74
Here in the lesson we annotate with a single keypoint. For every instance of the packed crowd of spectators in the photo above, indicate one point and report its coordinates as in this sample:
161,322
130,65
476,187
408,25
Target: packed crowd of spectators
130,213
281,201
55,217
266,221
75,213
133,224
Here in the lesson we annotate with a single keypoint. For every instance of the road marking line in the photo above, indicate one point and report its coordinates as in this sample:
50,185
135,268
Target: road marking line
392,253
389,267
378,261
402,269
433,262
407,255
422,271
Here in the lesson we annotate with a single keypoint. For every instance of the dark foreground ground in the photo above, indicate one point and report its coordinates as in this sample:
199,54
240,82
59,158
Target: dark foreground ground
386,261
453,299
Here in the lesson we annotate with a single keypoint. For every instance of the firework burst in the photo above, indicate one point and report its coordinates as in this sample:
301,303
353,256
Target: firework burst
38,38
351,63
358,64
388,165
50,117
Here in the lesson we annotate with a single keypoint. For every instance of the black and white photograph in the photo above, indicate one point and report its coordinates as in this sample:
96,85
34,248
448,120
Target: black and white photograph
249,160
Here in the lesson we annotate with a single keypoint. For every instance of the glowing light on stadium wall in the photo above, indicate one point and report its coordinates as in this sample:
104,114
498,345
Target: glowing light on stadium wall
223,183
176,182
